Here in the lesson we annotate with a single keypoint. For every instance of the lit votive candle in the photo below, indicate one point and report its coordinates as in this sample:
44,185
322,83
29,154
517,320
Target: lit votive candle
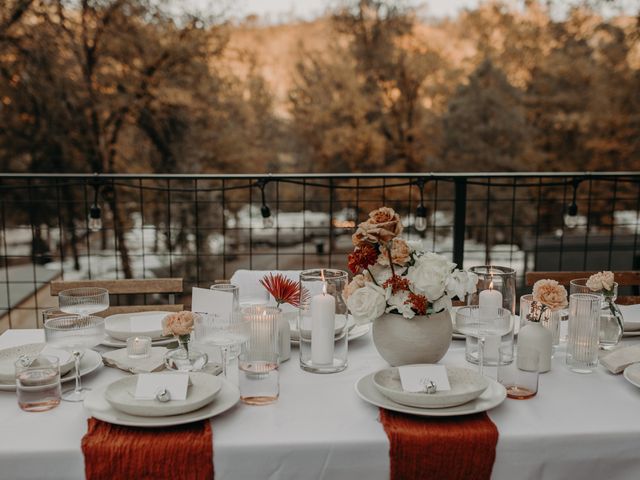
138,347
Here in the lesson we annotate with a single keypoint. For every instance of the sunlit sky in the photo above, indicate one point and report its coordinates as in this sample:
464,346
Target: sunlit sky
280,11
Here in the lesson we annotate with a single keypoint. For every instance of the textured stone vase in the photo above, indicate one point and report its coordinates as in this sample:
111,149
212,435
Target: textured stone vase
423,339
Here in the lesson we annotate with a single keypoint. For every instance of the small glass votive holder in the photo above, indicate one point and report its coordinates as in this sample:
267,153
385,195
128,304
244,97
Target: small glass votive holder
139,347
38,383
258,364
520,378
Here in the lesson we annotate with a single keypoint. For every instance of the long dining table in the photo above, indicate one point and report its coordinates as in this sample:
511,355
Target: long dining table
578,426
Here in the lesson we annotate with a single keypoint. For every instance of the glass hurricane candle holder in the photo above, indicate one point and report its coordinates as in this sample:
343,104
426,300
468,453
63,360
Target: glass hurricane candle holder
496,288
323,321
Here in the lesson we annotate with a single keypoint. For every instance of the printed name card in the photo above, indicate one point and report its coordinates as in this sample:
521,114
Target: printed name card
147,322
213,302
415,378
150,383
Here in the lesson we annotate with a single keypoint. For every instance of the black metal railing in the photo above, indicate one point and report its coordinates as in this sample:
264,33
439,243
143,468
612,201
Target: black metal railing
204,227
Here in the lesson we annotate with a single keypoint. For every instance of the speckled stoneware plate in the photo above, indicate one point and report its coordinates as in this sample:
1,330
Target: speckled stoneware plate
493,396
202,390
466,385
96,404
119,326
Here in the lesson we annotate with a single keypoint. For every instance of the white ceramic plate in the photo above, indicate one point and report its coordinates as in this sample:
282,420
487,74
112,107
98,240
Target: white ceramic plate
632,374
90,361
516,328
202,390
113,343
356,332
493,396
118,326
466,385
96,404
9,356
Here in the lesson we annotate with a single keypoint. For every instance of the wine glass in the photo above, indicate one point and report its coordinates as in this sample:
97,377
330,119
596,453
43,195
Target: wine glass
75,334
482,322
83,301
229,334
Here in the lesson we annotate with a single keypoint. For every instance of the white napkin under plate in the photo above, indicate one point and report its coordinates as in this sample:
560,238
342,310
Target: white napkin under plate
631,315
119,359
621,358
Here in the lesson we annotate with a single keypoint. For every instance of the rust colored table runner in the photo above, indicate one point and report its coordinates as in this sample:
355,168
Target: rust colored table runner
114,452
445,448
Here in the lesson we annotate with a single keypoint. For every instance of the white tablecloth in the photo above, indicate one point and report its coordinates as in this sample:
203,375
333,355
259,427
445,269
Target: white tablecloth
579,426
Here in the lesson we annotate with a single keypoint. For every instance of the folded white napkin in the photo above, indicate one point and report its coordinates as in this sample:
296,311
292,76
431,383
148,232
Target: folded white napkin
119,359
631,316
621,358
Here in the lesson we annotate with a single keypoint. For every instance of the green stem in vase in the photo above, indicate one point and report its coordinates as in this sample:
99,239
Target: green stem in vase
184,341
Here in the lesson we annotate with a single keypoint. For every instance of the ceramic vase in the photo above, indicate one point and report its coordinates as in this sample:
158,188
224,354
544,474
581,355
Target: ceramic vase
422,339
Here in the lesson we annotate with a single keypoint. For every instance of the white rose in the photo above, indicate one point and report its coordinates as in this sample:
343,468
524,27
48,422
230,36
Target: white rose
460,283
367,303
444,302
607,280
429,275
398,303
355,284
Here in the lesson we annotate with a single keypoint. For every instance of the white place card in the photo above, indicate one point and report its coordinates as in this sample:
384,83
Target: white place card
213,302
147,322
415,378
149,384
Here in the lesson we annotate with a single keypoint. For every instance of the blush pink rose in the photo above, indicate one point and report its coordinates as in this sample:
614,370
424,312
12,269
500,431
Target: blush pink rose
550,293
178,324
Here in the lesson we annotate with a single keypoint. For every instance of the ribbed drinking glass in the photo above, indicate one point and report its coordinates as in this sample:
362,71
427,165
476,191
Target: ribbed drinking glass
584,329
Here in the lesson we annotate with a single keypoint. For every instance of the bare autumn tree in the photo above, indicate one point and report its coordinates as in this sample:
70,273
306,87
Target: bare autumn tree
368,94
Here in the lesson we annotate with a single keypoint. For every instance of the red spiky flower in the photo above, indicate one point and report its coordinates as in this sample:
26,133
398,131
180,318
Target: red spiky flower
418,303
283,289
397,284
362,257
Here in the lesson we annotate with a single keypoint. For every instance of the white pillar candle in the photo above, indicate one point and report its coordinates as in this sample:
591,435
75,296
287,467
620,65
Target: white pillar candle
490,301
323,321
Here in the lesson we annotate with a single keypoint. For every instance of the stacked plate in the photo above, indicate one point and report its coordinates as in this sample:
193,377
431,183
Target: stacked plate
354,331
89,362
121,326
470,393
207,396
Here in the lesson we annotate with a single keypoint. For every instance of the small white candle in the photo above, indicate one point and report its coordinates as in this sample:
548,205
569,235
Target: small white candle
490,299
138,347
323,323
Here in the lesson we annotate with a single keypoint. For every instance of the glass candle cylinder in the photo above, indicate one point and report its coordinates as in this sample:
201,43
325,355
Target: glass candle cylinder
323,321
259,378
496,287
584,327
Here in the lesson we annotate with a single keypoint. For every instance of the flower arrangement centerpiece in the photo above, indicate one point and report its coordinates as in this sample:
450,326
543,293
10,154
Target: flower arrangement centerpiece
180,325
548,295
393,275
395,282
611,319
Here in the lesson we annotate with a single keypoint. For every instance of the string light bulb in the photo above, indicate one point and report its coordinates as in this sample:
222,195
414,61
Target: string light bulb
571,219
420,222
95,214
265,211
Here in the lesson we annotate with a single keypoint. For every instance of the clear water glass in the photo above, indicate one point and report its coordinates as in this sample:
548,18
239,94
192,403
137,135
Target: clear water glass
228,335
259,377
611,319
38,383
520,378
83,301
487,326
584,330
75,334
230,289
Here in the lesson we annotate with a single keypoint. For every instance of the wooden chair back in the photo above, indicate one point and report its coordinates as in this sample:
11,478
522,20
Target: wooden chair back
624,279
128,286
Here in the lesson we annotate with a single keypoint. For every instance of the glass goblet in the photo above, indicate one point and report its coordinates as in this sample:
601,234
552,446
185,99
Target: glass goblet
483,323
83,301
229,334
74,334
